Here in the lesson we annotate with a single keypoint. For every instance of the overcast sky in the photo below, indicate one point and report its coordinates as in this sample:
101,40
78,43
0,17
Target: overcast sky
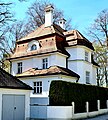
82,12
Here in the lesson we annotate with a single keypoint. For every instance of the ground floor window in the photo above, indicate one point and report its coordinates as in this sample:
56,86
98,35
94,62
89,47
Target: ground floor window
38,87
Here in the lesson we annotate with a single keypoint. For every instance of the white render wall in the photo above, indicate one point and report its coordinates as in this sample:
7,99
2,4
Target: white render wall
57,59
78,52
17,92
78,64
80,67
36,62
59,112
63,112
46,81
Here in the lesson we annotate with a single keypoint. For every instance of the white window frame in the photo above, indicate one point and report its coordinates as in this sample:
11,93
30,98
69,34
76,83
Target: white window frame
19,67
86,56
44,63
37,87
87,77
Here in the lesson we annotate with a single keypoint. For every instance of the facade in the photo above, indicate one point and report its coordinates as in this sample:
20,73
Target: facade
14,98
52,53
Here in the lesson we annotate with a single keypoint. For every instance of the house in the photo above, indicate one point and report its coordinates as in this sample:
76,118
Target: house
52,53
14,98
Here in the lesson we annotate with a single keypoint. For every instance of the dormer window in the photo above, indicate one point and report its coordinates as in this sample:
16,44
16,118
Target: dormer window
33,47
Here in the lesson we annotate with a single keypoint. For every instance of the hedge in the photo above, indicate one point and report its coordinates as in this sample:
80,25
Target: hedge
64,93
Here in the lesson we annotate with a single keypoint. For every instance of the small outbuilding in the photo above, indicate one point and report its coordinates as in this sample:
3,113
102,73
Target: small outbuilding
14,98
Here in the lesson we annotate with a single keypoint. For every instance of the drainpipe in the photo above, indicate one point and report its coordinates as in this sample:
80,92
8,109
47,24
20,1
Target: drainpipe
10,67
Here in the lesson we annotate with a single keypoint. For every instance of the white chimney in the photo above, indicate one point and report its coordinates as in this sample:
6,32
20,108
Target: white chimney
62,23
48,15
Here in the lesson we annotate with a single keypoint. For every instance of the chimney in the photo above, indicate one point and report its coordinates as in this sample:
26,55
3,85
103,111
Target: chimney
48,15
62,23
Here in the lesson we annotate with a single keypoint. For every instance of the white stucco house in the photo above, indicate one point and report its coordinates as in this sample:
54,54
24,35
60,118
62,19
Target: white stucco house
52,53
14,98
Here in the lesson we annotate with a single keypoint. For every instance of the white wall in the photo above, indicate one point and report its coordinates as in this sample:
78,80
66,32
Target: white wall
59,112
78,52
77,63
17,92
36,62
26,64
57,59
80,67
46,81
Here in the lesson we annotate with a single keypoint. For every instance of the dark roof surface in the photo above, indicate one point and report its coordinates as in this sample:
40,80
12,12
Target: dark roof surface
9,81
53,70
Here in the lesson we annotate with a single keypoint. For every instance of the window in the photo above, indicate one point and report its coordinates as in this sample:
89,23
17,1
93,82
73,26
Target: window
45,63
19,67
33,47
38,87
87,77
86,56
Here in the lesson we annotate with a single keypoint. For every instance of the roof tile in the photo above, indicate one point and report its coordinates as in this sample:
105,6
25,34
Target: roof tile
53,70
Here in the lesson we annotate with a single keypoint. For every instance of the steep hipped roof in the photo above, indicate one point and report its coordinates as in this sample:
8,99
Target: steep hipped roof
74,37
51,39
43,31
53,70
9,81
48,44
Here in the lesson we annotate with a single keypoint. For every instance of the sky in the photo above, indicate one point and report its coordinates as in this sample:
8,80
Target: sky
82,12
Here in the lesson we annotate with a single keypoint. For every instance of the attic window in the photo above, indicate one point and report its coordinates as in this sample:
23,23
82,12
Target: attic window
33,47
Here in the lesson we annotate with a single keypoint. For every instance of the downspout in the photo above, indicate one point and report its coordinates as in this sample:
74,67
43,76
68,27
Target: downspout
10,67
77,80
67,62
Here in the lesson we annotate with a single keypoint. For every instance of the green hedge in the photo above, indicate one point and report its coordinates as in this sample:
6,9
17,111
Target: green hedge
63,93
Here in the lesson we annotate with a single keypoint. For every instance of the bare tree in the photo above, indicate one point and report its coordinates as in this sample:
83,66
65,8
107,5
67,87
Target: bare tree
8,33
37,18
16,31
99,34
101,58
5,17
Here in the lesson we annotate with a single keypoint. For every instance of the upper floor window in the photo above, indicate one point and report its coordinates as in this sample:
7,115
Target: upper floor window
38,87
45,63
33,47
87,77
19,66
86,56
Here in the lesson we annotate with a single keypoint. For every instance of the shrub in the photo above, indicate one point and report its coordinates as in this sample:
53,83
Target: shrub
64,93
